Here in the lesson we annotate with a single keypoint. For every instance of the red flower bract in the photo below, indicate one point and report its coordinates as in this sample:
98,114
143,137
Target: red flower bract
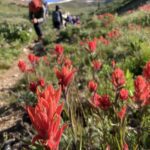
146,71
125,146
102,102
105,102
113,63
108,147
92,86
92,46
142,90
95,100
145,7
41,82
122,113
67,62
118,78
64,76
22,66
97,65
59,49
45,117
33,86
123,94
33,59
114,33
104,41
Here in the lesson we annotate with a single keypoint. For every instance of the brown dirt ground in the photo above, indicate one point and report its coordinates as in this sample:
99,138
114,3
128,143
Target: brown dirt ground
7,81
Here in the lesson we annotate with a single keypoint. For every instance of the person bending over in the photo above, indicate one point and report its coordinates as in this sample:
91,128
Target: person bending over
36,15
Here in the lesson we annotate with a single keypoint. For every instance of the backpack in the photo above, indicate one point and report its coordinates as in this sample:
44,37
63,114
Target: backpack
35,5
56,16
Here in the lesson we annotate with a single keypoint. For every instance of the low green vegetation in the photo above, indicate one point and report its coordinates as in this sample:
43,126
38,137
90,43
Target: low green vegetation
114,41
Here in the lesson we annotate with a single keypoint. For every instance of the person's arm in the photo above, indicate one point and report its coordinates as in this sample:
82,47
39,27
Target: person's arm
41,14
61,18
31,17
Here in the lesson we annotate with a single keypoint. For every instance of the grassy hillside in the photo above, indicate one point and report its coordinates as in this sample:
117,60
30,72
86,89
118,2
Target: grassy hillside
101,68
12,11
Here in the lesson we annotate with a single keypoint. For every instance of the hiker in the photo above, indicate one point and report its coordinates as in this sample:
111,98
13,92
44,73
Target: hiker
45,6
36,15
57,18
69,19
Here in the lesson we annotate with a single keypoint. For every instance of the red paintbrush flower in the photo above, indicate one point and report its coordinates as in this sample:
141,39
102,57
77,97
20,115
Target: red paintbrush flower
142,91
67,62
41,82
22,65
113,64
97,65
45,117
105,102
33,86
108,147
123,94
122,113
102,102
95,100
92,86
92,46
65,75
146,71
125,146
33,59
59,49
118,78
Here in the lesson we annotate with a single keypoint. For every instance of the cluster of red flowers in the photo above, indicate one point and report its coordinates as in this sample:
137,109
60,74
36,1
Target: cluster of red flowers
59,49
46,118
97,65
146,71
102,102
145,7
142,87
97,100
46,115
104,40
33,60
123,94
65,75
115,33
92,46
122,113
92,86
106,18
22,66
133,26
118,78
33,85
67,62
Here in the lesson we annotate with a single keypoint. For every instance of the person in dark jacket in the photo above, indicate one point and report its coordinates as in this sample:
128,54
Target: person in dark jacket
36,15
57,18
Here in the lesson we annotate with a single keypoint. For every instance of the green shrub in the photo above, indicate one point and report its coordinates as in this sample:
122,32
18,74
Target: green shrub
11,32
71,34
145,51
